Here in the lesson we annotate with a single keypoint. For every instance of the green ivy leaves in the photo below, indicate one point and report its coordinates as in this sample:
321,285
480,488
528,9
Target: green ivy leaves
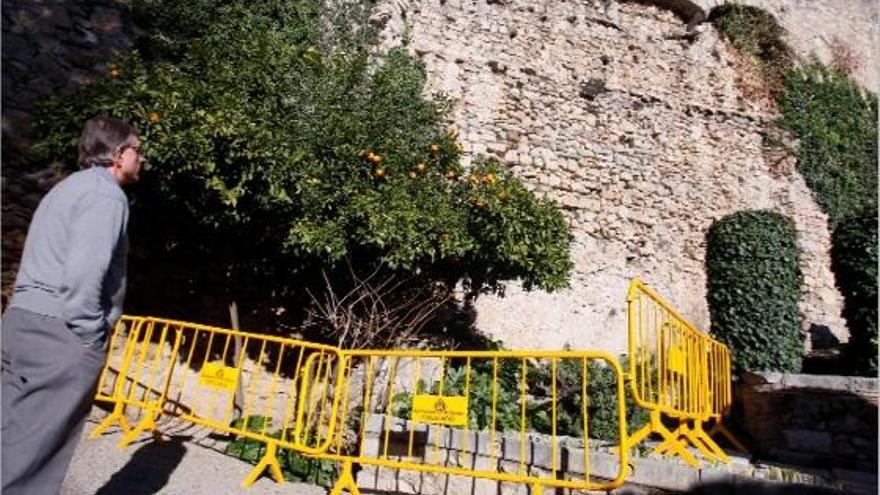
754,277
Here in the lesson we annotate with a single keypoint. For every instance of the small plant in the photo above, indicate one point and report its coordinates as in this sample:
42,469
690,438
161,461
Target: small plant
755,33
294,466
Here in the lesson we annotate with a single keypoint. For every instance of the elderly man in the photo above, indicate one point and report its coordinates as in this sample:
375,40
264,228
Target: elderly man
67,296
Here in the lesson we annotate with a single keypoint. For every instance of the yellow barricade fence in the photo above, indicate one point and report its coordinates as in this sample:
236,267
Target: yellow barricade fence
678,372
193,372
499,416
485,415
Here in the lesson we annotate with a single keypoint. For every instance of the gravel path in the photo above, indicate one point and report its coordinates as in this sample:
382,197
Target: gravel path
189,462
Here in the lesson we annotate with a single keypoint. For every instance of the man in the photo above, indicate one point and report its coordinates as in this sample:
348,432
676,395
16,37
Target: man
67,296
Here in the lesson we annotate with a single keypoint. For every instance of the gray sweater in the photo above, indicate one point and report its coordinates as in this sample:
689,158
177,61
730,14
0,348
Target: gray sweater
74,260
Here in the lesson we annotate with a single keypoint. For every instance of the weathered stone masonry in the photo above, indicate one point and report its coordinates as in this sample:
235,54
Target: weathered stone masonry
637,126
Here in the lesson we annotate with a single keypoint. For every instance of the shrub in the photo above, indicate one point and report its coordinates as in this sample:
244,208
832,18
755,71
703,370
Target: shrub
836,123
753,271
283,145
755,33
601,405
854,261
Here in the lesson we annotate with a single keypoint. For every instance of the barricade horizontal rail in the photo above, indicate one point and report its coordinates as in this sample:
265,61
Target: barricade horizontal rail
495,415
195,372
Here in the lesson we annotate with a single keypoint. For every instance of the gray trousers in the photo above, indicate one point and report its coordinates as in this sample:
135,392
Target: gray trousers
49,380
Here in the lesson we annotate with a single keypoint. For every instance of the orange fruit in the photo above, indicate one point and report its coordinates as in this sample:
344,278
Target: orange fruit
421,167
379,172
114,72
154,117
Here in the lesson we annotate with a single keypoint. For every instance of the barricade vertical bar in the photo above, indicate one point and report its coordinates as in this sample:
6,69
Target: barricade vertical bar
494,406
416,391
553,414
522,427
585,403
273,384
387,421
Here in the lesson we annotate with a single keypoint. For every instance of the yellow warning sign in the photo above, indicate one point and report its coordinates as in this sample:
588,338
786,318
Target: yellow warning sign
218,375
676,360
440,410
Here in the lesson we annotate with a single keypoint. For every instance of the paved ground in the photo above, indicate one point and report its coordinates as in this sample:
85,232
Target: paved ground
190,462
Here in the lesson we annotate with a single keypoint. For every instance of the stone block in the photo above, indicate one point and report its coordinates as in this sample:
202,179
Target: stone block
663,473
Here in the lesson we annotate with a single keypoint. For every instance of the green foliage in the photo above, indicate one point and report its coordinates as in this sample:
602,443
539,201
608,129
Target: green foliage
755,33
294,466
836,123
753,290
601,393
854,261
280,143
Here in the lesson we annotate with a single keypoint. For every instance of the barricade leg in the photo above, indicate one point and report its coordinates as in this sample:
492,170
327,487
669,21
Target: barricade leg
670,440
146,424
269,460
117,416
345,481
700,434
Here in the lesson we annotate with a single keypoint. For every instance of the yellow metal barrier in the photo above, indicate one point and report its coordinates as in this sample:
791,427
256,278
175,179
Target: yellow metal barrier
678,372
463,413
472,414
190,371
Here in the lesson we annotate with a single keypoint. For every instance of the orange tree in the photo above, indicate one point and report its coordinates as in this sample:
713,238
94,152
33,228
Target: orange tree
281,143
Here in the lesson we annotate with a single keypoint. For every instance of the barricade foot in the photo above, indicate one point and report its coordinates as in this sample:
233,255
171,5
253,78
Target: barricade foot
148,423
114,417
676,447
345,481
700,434
269,460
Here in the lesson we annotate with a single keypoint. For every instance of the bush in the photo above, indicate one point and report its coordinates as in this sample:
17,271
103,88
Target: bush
836,123
282,144
854,261
755,33
754,277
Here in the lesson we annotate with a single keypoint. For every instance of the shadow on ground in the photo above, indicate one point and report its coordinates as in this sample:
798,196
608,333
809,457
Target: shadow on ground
148,470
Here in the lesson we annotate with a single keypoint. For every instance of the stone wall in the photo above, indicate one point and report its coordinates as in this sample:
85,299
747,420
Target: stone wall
436,446
823,421
639,127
